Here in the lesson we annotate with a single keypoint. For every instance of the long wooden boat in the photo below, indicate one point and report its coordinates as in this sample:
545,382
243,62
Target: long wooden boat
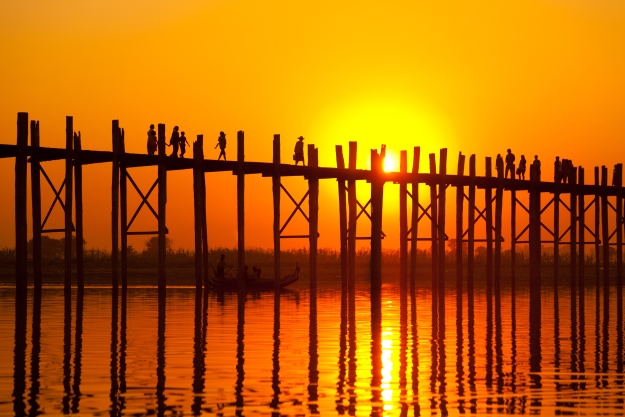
229,283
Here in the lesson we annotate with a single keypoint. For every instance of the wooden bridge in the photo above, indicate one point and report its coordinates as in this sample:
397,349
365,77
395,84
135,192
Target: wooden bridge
575,197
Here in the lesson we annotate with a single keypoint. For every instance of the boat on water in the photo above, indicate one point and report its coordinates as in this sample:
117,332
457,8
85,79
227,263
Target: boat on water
229,283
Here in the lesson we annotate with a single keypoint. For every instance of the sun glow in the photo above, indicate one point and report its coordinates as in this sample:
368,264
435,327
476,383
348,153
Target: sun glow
390,162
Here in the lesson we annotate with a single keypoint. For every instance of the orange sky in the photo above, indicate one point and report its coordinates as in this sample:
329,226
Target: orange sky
542,77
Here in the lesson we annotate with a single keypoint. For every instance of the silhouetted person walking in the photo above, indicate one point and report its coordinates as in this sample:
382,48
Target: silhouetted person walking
174,141
298,152
221,142
510,164
520,171
152,141
183,144
536,167
499,166
557,170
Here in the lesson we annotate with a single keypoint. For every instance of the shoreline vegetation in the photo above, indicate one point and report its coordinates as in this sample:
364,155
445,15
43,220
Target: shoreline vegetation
142,266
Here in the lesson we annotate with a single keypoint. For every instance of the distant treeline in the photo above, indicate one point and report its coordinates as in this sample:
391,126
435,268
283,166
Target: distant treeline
53,254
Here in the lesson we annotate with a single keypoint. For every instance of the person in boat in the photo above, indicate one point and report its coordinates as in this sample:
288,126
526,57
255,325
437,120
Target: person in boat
298,152
297,268
221,266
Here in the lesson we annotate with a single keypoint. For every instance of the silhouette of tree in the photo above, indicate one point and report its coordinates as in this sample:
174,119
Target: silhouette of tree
151,245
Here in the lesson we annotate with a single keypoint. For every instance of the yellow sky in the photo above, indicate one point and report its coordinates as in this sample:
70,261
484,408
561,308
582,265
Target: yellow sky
543,77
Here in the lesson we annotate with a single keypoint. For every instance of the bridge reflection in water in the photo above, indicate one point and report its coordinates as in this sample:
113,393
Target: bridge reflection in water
320,351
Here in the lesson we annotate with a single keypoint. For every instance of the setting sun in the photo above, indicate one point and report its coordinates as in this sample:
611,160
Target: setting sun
390,162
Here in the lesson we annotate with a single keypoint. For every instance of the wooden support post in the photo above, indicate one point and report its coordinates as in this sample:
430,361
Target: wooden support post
162,208
513,202
618,183
352,214
459,232
340,164
403,224
597,238
198,173
241,207
498,240
123,208
69,190
442,199
556,234
415,218
471,229
115,205
377,189
573,233
203,223
275,182
581,222
21,226
488,201
434,232
35,188
313,212
605,234
534,243
80,238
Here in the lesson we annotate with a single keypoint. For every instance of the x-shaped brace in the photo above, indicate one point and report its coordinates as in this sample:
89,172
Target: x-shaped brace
298,207
57,196
144,200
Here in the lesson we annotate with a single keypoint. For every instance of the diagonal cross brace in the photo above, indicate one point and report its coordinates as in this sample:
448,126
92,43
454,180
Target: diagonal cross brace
144,200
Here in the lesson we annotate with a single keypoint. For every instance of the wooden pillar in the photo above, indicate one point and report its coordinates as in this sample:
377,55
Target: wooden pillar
162,208
534,243
198,173
498,238
21,227
488,201
123,208
313,212
471,229
377,189
352,214
573,232
414,228
80,238
241,207
340,164
35,188
605,234
556,233
203,223
618,183
581,222
513,202
403,223
459,231
69,190
115,205
434,232
442,199
275,183
597,237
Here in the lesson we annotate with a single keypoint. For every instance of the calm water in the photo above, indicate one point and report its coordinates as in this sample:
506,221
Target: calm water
309,353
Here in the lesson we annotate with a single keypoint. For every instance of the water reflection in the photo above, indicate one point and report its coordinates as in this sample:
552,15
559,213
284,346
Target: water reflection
403,362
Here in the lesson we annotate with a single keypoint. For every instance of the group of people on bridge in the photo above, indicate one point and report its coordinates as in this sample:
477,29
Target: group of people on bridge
178,142
562,169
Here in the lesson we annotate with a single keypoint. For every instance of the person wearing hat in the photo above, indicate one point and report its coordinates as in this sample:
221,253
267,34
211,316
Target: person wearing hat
299,151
